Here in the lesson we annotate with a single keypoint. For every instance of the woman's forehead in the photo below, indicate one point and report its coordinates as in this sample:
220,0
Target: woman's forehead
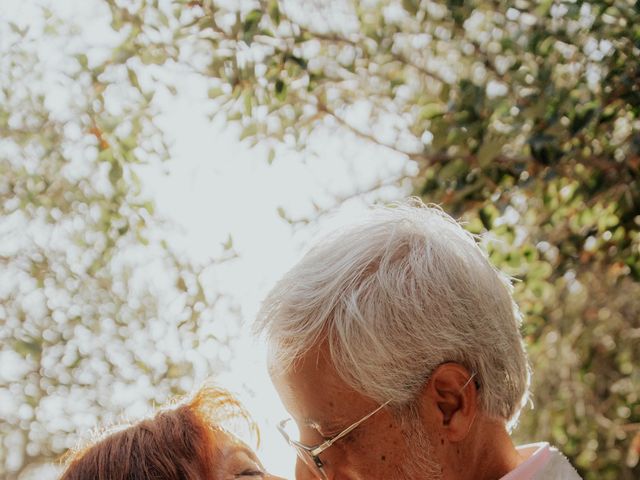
231,454
227,445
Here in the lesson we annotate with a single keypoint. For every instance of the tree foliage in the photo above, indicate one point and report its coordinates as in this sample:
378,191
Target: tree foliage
522,119
98,315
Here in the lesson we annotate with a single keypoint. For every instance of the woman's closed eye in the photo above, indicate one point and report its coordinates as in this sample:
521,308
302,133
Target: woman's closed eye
246,466
250,473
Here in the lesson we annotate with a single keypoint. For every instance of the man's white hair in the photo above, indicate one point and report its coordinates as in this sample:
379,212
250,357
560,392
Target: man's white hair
393,297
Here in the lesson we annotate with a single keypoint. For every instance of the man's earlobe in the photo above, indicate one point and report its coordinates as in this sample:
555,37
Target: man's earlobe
455,397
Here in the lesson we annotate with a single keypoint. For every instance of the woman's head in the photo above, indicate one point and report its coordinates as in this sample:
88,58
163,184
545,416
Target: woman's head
181,442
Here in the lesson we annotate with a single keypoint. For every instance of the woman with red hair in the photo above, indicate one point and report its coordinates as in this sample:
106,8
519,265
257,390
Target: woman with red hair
182,442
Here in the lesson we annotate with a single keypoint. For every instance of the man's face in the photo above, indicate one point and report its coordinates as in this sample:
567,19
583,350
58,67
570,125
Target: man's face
323,405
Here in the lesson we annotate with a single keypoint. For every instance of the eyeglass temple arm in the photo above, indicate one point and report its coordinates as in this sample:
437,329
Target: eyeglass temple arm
319,449
468,381
349,429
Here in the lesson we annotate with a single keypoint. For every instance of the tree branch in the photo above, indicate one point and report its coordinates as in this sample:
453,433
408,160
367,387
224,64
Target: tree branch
359,133
395,56
424,160
340,199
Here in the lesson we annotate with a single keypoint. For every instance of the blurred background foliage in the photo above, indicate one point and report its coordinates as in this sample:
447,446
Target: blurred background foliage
521,118
98,315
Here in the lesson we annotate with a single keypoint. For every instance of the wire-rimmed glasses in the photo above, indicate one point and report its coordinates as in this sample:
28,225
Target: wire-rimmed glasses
310,455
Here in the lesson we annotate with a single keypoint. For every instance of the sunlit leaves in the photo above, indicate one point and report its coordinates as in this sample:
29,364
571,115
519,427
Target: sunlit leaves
522,119
81,311
251,25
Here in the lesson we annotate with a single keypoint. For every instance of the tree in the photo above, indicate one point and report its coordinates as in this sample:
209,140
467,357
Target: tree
521,118
98,315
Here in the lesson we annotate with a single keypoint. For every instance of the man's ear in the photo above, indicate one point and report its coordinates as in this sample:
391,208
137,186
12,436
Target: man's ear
452,397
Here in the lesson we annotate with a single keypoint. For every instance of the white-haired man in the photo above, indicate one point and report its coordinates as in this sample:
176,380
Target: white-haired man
395,346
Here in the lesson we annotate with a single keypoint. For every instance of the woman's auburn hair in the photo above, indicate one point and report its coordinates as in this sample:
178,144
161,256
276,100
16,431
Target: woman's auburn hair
176,443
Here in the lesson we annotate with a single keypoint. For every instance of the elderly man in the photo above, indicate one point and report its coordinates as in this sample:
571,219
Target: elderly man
395,348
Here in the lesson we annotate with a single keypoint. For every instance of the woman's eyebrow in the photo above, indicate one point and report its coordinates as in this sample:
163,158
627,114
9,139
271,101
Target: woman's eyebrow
251,455
247,451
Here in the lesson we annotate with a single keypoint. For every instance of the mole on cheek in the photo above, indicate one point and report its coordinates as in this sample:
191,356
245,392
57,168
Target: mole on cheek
383,458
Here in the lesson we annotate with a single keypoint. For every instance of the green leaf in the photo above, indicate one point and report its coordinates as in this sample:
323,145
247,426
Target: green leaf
115,173
164,20
491,148
29,348
234,116
432,110
215,92
488,215
248,103
149,207
543,8
583,117
20,31
251,24
274,12
82,60
133,78
248,131
228,244
271,156
411,6
281,90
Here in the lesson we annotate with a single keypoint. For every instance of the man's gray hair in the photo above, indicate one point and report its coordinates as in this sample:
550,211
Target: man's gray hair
393,297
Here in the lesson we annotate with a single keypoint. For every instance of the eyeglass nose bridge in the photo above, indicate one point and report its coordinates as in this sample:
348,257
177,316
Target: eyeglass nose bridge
317,461
305,452
312,462
311,458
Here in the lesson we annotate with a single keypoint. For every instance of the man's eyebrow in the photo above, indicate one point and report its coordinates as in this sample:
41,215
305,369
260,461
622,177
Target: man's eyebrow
329,426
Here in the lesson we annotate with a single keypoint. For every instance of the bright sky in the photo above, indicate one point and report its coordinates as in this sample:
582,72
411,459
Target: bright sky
215,186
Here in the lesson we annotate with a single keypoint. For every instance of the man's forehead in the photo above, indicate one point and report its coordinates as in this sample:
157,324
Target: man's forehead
315,360
310,374
314,392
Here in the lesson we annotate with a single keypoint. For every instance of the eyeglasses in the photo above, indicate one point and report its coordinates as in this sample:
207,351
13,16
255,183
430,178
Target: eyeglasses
310,455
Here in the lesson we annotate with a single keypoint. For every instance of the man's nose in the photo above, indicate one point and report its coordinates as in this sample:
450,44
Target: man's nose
303,472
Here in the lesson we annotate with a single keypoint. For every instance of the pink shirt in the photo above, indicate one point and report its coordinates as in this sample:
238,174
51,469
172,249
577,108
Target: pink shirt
536,455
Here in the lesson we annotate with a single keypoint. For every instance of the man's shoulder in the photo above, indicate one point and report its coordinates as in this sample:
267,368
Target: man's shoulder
541,461
557,467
